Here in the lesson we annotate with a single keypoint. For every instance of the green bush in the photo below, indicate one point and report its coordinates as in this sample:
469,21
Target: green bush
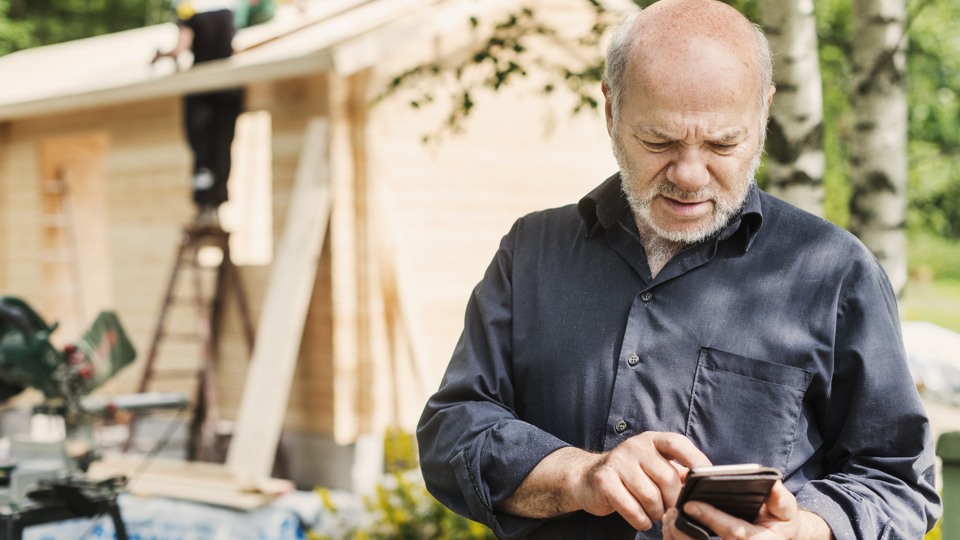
402,508
405,510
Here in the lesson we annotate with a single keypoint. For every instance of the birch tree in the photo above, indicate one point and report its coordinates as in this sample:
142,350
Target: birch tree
795,158
878,151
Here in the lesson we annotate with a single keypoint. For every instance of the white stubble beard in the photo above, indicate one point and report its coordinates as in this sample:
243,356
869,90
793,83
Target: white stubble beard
724,209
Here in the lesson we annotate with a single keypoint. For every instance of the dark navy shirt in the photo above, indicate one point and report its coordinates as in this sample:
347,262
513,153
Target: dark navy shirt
775,342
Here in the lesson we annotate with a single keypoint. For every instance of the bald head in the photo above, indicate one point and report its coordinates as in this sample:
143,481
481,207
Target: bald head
679,43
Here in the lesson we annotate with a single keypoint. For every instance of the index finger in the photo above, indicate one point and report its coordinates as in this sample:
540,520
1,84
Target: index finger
680,449
682,455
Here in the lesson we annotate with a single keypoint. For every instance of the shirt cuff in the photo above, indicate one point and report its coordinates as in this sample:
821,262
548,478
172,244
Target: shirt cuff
477,491
841,511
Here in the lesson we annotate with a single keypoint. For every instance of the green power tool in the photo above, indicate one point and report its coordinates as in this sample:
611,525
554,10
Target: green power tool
29,360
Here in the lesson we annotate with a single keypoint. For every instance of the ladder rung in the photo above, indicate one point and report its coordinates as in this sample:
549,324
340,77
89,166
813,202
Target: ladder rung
54,187
181,336
185,301
57,255
203,269
54,221
175,374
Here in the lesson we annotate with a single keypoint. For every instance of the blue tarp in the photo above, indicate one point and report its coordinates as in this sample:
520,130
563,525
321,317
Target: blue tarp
168,519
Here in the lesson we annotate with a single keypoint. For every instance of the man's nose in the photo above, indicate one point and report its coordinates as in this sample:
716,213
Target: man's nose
689,170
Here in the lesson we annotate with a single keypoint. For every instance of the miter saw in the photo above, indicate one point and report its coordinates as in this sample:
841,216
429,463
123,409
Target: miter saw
65,377
29,360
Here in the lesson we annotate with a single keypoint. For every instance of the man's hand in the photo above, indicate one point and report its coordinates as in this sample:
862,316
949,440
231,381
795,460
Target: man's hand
780,518
639,480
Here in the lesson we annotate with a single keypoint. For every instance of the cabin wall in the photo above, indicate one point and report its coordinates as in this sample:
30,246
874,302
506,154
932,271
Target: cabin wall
291,104
412,230
145,183
445,206
5,227
141,189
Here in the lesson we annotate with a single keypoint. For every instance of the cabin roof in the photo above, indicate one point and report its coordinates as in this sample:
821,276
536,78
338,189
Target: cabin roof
340,35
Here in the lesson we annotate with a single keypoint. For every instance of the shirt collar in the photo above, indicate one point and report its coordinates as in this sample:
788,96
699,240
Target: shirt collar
607,204
603,206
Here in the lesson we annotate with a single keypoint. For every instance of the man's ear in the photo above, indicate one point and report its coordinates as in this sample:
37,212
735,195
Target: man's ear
607,107
770,92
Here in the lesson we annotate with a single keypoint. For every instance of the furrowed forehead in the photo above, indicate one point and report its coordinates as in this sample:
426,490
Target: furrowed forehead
720,135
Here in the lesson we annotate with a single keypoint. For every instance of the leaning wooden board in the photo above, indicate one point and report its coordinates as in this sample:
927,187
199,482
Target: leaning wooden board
267,387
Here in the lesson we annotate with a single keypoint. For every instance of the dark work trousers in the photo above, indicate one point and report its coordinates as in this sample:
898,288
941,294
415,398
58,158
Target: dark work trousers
211,121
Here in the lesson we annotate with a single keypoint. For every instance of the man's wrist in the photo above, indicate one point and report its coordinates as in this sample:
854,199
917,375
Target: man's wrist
579,465
551,488
811,526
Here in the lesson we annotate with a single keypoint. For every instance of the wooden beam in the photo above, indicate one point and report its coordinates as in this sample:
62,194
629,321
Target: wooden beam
208,483
267,387
345,282
281,25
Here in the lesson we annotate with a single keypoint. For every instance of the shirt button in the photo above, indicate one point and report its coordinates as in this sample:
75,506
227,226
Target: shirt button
621,426
633,359
646,296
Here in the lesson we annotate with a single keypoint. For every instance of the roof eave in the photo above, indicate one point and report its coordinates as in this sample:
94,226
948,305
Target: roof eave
219,75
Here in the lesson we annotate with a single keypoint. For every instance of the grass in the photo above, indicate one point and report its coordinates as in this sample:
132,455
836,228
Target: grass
936,301
933,292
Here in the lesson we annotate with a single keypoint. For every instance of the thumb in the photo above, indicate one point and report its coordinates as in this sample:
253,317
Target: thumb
781,503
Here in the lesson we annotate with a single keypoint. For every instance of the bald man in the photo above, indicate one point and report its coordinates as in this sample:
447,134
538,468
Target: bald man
679,317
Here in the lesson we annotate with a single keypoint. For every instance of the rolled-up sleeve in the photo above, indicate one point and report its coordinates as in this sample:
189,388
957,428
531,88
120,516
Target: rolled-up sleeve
474,451
877,438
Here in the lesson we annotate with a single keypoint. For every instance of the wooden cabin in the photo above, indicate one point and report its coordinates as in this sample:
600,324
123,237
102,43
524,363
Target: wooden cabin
398,232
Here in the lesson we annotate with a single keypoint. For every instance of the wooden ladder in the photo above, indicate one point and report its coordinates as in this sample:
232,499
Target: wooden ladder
61,253
207,301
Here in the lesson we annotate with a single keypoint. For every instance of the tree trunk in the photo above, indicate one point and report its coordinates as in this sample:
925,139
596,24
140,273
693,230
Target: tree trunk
795,159
878,151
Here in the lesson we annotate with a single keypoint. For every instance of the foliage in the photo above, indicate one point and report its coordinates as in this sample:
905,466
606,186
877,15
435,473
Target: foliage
407,511
936,533
933,86
30,23
834,35
403,509
504,55
399,451
501,57
933,60
934,90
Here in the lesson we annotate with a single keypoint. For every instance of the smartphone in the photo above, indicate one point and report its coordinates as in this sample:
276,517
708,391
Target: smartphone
739,490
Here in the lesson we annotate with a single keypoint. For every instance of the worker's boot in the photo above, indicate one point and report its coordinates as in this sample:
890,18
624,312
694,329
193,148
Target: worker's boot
207,216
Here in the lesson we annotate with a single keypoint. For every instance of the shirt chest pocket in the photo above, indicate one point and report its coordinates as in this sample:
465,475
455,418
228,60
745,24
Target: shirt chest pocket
744,410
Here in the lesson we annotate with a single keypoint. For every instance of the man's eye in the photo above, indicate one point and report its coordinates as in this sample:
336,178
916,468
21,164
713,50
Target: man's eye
724,148
657,146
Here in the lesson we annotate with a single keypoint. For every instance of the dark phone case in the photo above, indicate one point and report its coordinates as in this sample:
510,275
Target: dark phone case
738,494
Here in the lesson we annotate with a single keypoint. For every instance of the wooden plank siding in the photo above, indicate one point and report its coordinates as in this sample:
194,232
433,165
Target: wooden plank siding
412,227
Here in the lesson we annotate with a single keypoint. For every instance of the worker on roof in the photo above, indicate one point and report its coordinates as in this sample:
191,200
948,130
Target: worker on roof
207,29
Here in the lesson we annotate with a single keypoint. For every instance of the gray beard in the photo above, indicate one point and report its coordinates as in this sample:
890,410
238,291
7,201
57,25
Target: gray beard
724,209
